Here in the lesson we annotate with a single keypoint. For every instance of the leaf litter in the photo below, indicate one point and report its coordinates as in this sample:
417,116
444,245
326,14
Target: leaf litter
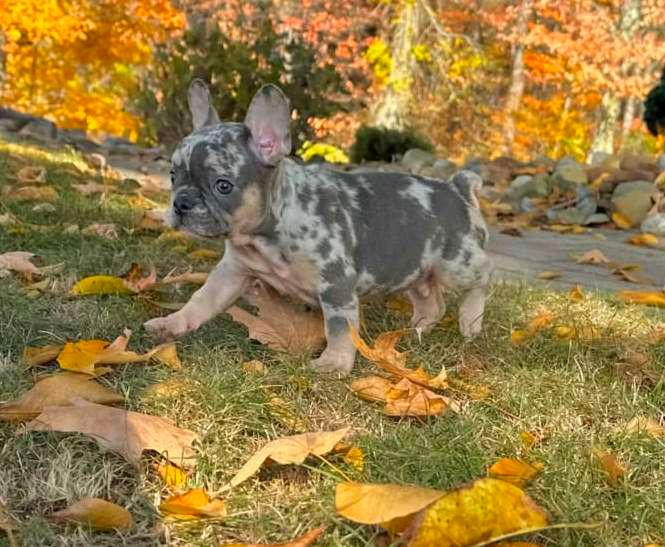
96,513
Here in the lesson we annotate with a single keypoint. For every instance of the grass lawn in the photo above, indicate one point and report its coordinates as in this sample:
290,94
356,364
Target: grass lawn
569,394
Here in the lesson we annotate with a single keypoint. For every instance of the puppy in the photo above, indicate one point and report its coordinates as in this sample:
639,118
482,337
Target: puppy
323,236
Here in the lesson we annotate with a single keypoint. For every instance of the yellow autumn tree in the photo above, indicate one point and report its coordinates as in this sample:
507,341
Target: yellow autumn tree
76,61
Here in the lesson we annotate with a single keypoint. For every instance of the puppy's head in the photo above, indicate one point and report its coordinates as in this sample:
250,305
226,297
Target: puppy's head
220,172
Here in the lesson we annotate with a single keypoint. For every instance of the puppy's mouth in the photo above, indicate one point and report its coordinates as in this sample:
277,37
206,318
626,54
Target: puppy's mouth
200,227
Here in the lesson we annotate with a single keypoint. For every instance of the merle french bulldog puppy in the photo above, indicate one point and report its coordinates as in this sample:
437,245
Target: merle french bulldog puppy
323,236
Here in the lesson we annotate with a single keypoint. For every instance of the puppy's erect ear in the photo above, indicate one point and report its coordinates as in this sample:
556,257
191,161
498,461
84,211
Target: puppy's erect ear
200,105
268,120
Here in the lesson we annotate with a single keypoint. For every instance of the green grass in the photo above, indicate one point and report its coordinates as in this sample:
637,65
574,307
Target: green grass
567,393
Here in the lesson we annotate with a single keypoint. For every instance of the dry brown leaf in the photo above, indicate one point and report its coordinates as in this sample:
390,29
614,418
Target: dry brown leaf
197,278
575,294
34,193
254,367
408,399
121,431
627,274
648,298
193,504
514,471
392,506
18,261
594,256
96,513
642,425
613,469
486,509
172,475
280,324
621,221
549,275
635,366
289,450
302,541
57,390
31,174
371,388
136,280
166,354
643,240
108,231
39,356
152,220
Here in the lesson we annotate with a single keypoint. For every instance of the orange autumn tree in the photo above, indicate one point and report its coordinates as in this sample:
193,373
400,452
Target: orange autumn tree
76,61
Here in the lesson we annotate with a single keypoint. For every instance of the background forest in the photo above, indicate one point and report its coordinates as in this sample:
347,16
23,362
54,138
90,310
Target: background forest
477,77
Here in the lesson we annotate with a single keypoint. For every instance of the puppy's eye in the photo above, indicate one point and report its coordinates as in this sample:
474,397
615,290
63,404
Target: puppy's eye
172,173
223,186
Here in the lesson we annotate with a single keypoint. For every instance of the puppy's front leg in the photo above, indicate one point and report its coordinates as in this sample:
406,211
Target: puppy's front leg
224,285
338,311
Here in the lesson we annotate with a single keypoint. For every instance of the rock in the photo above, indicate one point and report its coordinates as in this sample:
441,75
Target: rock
519,187
654,224
78,139
586,200
415,160
568,173
603,160
613,177
40,129
638,162
442,170
44,208
526,205
96,161
660,164
9,126
572,215
597,218
633,200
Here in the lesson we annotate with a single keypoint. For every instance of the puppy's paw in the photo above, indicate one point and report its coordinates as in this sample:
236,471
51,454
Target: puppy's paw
169,327
334,362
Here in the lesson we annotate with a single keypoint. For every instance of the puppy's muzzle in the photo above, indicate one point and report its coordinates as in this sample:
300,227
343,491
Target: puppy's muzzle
183,203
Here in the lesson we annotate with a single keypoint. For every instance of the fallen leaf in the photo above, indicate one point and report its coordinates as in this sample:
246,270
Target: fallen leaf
542,320
39,356
108,231
614,471
291,450
519,336
31,174
18,261
643,240
57,390
626,273
136,281
100,284
34,193
642,424
152,220
549,275
197,278
288,415
204,254
408,399
171,475
528,439
302,541
594,256
355,457
514,471
254,367
392,506
193,504
371,388
564,332
486,509
96,513
280,324
648,298
575,294
90,188
121,431
621,221
167,355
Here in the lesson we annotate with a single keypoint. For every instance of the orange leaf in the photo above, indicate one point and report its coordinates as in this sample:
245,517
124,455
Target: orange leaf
514,471
96,513
621,221
648,298
643,240
615,472
302,541
192,505
594,256
575,294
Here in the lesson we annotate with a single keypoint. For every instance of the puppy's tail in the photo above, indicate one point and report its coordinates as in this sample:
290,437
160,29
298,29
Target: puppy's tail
469,185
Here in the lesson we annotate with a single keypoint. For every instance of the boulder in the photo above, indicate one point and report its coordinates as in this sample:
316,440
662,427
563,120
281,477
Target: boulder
638,162
586,200
568,173
604,160
633,200
9,125
654,224
40,129
596,218
442,169
415,160
526,186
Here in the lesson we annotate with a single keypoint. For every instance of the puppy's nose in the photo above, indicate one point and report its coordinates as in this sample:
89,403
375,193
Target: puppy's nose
182,203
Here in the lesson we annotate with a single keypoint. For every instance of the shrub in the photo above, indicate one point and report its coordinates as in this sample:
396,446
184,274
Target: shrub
234,72
382,144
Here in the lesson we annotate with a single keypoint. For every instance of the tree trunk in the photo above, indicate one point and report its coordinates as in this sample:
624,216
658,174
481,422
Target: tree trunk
392,108
516,89
628,117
